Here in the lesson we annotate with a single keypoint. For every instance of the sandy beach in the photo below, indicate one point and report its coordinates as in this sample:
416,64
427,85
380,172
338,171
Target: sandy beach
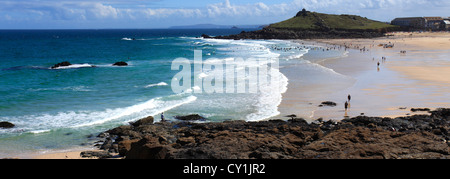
74,153
420,77
60,155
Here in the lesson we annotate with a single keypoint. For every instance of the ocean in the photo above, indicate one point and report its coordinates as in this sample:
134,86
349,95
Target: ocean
66,107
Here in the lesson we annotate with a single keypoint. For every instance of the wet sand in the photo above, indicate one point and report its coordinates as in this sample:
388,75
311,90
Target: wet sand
418,78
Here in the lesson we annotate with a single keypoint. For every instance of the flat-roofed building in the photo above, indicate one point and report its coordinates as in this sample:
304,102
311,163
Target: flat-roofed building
422,23
412,22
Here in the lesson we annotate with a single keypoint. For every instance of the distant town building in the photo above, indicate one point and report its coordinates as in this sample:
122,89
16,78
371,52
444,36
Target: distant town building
434,23
423,23
447,24
411,22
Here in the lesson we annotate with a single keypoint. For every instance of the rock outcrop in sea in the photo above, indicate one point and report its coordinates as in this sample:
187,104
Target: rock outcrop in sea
121,63
5,124
411,137
62,64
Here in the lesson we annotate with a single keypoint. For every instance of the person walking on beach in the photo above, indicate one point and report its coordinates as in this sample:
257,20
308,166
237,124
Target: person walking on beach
378,66
346,106
349,97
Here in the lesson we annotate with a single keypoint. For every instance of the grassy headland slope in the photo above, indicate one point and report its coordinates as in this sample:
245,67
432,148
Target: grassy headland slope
313,25
305,20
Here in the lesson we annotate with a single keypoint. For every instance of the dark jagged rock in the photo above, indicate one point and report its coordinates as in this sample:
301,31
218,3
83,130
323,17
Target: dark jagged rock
418,136
120,64
62,64
420,109
148,148
441,113
271,33
143,121
98,154
328,103
205,36
292,116
303,13
6,125
191,117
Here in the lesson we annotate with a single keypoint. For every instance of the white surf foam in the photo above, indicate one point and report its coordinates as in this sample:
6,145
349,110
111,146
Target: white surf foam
149,108
269,97
70,88
126,38
157,84
259,106
43,123
85,65
40,131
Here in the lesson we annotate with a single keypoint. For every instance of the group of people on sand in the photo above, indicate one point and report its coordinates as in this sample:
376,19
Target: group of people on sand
287,49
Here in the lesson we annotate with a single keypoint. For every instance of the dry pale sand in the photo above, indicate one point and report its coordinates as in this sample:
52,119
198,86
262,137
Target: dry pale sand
409,41
61,154
438,74
427,53
418,78
432,47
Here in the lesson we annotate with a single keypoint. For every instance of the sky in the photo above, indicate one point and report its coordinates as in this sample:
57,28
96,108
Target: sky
100,14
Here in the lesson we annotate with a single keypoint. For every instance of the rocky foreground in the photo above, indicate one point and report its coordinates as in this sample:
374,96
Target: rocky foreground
412,137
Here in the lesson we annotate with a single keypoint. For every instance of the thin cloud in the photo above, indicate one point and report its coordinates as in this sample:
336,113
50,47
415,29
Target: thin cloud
226,11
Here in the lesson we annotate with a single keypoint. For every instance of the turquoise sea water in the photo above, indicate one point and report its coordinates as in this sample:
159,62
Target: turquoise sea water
61,108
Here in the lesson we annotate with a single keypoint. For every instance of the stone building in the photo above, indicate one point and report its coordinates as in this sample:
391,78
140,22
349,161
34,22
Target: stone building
422,23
